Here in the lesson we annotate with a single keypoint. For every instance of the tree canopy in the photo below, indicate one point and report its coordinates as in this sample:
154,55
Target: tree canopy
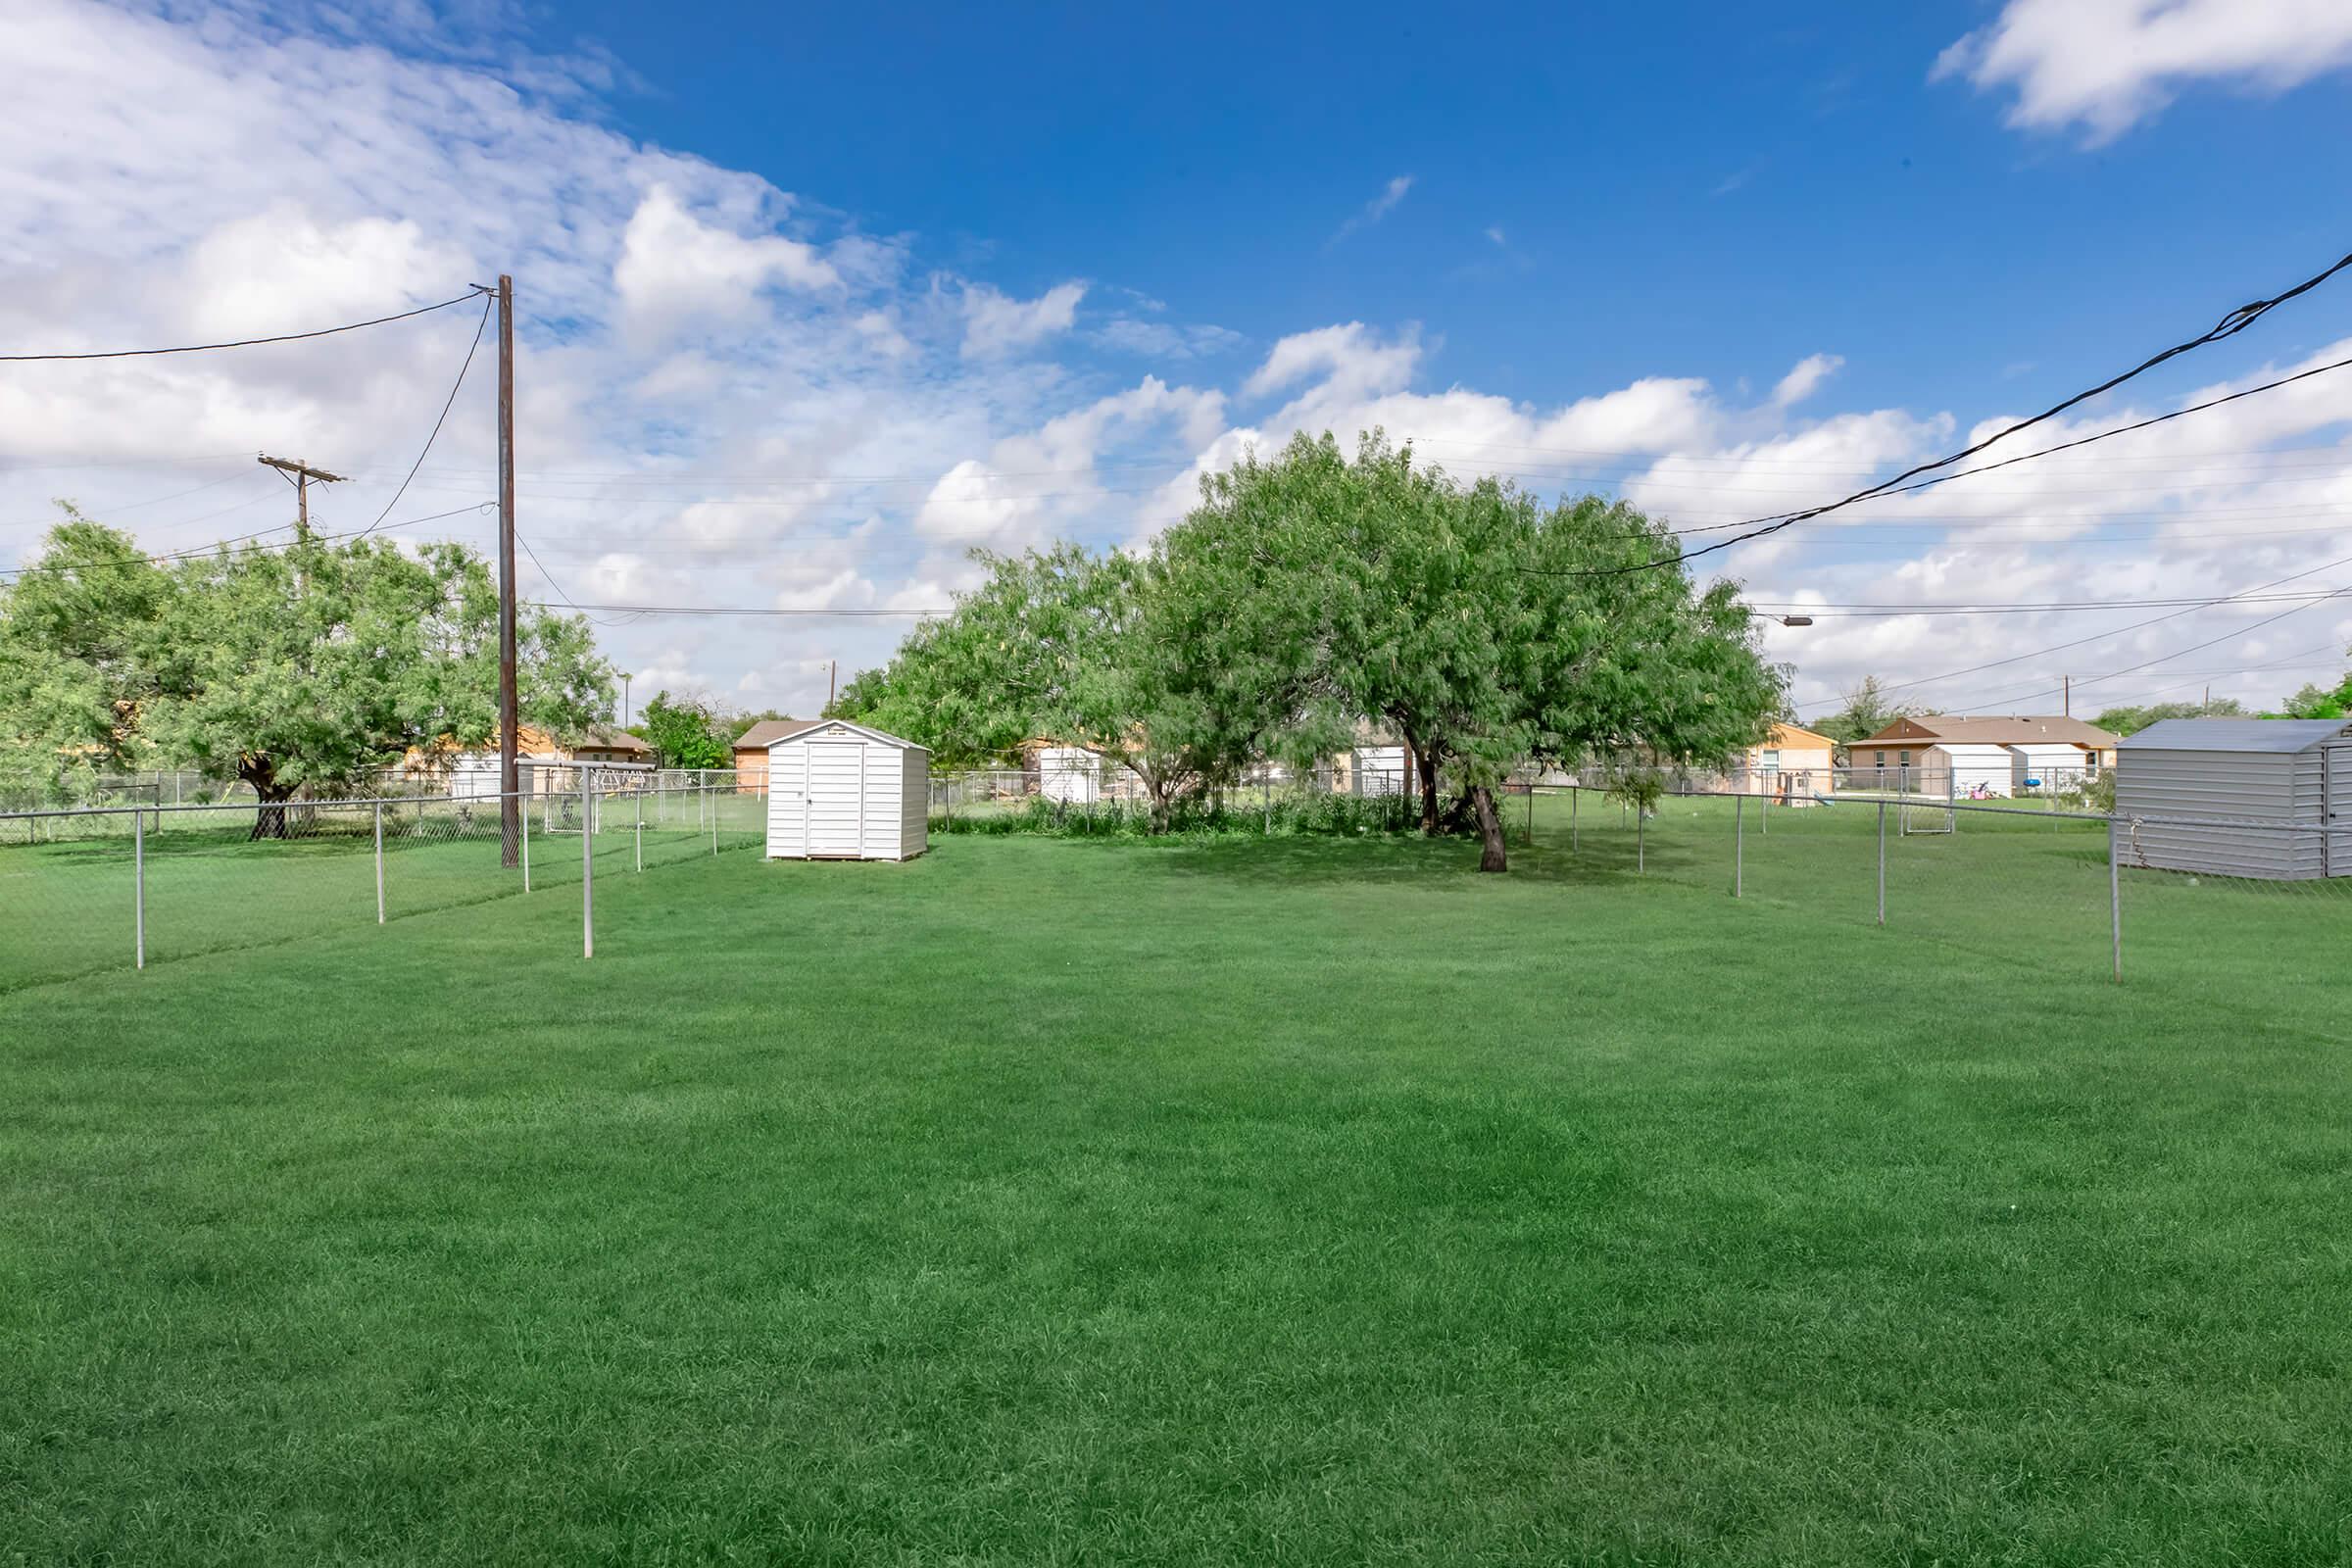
312,664
686,732
1314,595
2131,720
1479,629
1867,709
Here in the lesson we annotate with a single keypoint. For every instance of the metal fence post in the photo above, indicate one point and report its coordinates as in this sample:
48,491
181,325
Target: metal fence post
379,862
639,797
522,832
587,876
1882,862
1642,839
2114,902
1574,837
138,891
1531,815
1739,845
714,818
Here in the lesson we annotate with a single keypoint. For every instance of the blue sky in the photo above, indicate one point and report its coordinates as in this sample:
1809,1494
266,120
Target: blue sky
1701,189
817,298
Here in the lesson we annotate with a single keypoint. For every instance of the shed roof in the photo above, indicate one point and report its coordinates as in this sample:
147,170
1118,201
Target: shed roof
770,730
611,737
2273,735
809,731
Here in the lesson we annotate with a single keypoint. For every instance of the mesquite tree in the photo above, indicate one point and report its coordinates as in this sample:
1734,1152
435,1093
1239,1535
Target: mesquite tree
1479,628
1060,644
312,664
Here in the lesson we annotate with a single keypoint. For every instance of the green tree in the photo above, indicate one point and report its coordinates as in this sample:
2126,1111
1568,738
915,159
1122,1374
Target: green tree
2131,720
310,666
684,732
74,631
1060,643
1867,710
1315,590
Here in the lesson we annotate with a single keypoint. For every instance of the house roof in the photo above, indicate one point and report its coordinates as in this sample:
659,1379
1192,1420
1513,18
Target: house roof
768,731
2275,735
2013,729
1789,736
607,738
805,731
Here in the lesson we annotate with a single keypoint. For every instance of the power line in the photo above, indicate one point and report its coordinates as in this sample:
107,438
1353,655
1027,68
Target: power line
221,545
1850,612
2163,659
446,405
2102,636
2082,441
242,343
2229,325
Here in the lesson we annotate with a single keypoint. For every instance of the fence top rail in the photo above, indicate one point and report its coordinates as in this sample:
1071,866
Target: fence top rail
309,803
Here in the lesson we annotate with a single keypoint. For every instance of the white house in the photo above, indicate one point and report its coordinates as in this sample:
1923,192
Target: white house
838,791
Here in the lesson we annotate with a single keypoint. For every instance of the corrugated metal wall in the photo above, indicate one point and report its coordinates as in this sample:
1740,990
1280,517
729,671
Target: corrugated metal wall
2235,786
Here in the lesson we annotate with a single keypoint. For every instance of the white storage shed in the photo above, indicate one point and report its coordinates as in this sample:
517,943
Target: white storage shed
2229,774
838,791
1380,770
1070,774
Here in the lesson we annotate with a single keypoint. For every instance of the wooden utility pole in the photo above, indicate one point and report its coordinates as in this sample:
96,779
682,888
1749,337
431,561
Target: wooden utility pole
2066,684
302,473
832,675
510,806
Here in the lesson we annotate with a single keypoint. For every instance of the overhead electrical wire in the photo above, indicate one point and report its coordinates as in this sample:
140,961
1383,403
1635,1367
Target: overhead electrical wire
245,539
2229,325
2177,653
2102,636
245,342
448,403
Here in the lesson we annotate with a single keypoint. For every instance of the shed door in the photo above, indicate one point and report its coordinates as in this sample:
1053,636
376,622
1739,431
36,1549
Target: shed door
837,797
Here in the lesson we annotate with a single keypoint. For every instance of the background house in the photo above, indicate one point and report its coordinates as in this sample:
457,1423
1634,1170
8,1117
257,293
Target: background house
471,771
751,751
1939,753
1792,762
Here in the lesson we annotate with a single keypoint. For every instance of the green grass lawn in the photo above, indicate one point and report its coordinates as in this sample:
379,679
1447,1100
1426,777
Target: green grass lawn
1290,1201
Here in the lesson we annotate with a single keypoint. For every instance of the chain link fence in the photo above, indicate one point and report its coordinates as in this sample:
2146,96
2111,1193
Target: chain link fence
2161,900
88,889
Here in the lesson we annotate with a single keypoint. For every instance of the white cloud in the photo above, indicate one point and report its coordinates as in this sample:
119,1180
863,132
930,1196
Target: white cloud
1165,340
1350,358
997,323
839,441
673,266
1378,208
2107,65
1805,378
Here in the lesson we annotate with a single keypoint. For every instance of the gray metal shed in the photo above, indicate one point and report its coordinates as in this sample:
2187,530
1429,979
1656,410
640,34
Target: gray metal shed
2230,773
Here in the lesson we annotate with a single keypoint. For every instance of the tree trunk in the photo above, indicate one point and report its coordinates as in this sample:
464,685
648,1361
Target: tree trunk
1491,857
1425,765
270,817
